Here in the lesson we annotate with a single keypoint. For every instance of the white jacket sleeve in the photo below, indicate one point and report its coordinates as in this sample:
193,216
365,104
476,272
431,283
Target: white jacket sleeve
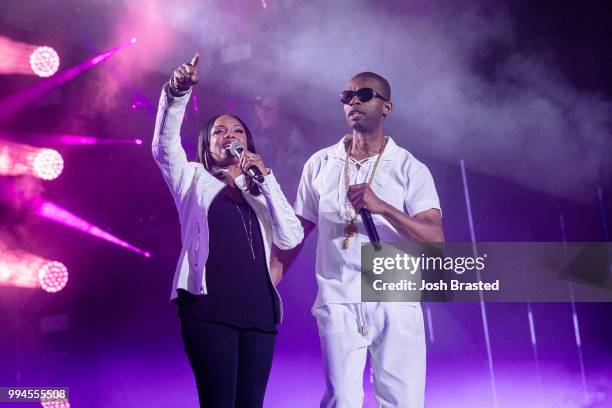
287,231
167,149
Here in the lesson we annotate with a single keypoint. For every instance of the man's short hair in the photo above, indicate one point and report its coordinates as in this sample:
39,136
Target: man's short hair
384,84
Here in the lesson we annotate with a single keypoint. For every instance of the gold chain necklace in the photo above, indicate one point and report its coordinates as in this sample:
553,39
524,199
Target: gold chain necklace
350,229
249,234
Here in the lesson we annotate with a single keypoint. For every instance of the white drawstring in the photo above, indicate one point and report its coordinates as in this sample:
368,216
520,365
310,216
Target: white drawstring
362,326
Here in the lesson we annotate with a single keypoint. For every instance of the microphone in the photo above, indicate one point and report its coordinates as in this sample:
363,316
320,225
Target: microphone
368,223
236,149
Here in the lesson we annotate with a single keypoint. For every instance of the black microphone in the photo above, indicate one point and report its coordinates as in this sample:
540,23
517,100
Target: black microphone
236,149
368,223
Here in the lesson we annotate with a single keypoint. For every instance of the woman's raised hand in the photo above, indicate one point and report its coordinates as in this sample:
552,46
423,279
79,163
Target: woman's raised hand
186,76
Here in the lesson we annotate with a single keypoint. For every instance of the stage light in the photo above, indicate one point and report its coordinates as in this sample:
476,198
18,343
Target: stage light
67,140
23,269
13,103
55,404
78,140
55,213
27,59
44,61
18,159
53,276
48,164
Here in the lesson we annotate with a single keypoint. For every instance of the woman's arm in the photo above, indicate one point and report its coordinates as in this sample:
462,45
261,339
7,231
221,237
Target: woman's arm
287,231
167,149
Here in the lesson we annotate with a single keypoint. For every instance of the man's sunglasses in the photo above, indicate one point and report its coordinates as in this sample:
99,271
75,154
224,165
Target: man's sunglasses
364,95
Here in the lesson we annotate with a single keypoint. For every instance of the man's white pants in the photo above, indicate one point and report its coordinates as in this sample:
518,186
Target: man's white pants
394,336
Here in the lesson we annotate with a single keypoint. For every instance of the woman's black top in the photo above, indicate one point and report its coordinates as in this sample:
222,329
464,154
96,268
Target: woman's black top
239,289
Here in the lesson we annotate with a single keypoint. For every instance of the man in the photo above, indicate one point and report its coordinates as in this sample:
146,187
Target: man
367,170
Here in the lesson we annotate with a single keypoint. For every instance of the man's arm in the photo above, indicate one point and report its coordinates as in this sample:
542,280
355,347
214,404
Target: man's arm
425,226
281,261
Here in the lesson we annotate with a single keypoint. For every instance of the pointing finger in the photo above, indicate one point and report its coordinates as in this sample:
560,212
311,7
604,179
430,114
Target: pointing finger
195,59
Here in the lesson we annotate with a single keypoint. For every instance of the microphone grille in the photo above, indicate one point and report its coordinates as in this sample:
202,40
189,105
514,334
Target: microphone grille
236,148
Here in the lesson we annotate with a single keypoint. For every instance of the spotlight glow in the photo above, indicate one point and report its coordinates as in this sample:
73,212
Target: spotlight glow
48,164
26,270
13,103
44,61
53,276
18,159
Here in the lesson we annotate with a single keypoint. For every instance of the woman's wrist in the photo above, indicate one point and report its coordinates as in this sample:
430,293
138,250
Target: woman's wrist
176,91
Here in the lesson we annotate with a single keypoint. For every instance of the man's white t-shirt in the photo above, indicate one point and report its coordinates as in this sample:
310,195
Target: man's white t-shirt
400,179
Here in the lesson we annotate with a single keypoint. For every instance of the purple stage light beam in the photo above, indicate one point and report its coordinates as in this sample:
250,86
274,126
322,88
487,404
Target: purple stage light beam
65,139
55,213
429,320
483,308
532,332
575,322
82,140
15,102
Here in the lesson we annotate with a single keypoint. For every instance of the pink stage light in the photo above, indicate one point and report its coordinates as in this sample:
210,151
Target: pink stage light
19,159
48,164
67,140
55,213
76,140
27,59
106,54
44,61
23,269
53,276
13,103
55,404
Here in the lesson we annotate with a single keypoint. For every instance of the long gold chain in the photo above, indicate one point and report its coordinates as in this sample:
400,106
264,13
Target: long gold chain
350,229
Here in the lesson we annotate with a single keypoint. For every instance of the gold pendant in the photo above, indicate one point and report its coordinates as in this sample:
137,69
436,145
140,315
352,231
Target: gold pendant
350,230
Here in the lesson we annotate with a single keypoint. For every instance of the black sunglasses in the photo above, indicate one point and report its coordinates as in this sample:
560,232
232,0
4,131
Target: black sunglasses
364,95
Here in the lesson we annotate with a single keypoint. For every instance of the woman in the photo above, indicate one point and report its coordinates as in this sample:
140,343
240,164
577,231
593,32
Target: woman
227,302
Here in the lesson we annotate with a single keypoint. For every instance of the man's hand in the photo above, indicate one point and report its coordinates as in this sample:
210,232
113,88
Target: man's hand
362,196
186,76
